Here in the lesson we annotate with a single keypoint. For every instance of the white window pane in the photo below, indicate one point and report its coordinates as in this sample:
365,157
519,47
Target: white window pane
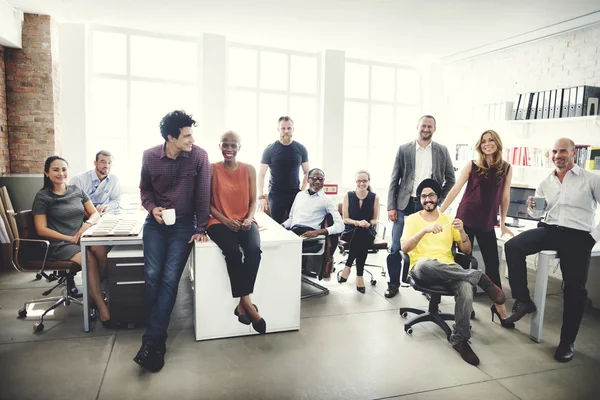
242,118
164,58
108,108
382,83
270,108
357,80
354,159
109,52
408,86
273,71
356,127
382,125
407,119
303,110
152,101
242,66
303,75
381,162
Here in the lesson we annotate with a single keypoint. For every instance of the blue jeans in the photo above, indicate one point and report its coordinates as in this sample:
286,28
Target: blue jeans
398,227
166,250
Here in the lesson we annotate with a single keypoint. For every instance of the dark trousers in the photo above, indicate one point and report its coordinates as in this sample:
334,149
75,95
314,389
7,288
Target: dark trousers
414,205
166,250
394,265
488,246
242,273
280,205
574,248
359,240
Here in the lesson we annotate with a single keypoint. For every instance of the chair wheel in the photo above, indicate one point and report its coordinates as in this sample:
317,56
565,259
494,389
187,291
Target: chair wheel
373,282
473,314
383,273
38,277
404,314
408,330
37,327
22,313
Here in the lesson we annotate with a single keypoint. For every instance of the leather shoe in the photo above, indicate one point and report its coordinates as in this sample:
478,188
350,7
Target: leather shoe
466,352
150,357
260,326
391,291
493,291
564,352
520,308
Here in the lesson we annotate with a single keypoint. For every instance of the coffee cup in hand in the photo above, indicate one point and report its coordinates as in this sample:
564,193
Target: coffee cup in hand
169,216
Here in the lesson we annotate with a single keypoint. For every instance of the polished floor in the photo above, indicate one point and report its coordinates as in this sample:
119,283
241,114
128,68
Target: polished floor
350,346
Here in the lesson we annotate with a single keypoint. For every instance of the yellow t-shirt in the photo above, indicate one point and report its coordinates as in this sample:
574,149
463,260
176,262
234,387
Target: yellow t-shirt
436,246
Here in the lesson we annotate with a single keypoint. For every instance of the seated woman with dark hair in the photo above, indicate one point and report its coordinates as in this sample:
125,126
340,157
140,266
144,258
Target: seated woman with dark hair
360,212
232,225
58,213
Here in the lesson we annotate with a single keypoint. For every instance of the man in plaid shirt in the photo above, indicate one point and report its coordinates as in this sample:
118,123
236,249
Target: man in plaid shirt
175,175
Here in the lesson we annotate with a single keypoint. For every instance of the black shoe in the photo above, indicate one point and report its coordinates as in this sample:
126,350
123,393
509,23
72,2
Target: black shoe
260,326
159,360
504,324
145,356
466,352
242,318
360,289
520,308
564,352
391,291
342,279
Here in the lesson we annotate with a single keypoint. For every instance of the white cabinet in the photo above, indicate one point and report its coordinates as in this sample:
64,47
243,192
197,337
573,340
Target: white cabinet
276,291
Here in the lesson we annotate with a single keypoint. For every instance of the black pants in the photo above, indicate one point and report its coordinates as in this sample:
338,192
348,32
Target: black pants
280,205
242,274
359,240
574,249
489,251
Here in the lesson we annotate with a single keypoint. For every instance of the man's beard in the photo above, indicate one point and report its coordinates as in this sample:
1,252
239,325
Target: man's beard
432,203
99,171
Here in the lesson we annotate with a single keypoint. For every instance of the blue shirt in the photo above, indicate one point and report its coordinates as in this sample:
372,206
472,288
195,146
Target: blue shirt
310,210
101,193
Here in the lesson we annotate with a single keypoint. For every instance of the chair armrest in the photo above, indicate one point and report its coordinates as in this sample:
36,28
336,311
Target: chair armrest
16,245
405,267
314,239
380,227
317,239
467,261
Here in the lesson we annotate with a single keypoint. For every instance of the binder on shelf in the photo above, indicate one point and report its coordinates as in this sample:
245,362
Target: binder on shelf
515,107
532,109
589,104
523,105
579,101
564,112
572,101
552,105
546,109
540,105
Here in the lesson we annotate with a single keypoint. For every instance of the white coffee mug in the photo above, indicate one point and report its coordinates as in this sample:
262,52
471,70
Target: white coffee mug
169,216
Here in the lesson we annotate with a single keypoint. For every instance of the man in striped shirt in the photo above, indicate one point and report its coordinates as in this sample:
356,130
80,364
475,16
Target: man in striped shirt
175,175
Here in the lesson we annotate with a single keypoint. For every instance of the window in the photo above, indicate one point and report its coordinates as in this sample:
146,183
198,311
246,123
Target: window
380,112
135,79
265,84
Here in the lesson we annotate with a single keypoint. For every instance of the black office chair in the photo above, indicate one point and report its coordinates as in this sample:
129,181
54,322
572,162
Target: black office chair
435,293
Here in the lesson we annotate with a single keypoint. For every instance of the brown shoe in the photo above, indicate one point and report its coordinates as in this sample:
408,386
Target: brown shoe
493,291
466,352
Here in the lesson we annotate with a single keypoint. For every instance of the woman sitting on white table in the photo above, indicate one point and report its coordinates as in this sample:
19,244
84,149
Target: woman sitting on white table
233,201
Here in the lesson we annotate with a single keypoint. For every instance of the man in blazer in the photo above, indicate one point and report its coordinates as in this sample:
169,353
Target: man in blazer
415,161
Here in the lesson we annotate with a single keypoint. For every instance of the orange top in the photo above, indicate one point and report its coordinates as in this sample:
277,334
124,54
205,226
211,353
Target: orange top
230,192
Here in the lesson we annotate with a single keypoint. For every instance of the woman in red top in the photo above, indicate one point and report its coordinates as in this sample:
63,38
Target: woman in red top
488,188
233,201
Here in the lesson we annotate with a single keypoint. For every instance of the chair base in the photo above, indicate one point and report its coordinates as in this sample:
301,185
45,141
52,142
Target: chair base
427,316
323,291
57,300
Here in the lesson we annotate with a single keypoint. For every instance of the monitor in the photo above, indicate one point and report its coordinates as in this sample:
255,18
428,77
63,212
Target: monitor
517,207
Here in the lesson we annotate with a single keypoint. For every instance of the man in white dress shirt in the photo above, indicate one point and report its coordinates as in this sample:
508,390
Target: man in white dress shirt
100,185
571,195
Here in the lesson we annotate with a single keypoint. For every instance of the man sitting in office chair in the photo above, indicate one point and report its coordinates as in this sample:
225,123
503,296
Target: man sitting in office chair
427,239
309,210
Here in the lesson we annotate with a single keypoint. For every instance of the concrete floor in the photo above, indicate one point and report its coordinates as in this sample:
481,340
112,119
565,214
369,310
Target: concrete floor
350,346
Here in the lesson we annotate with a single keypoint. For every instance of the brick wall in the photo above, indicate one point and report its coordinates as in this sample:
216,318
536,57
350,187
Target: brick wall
4,157
32,92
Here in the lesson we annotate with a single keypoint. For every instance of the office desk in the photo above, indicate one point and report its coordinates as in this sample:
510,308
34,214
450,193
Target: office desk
87,241
276,292
541,281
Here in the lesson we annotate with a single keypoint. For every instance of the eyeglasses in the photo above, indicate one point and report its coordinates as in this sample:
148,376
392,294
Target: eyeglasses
362,180
316,178
428,196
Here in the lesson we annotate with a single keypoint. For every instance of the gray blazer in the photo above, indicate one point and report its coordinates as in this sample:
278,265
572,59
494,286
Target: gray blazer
403,174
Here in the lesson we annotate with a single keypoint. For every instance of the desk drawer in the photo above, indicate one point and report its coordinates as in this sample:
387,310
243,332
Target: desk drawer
126,269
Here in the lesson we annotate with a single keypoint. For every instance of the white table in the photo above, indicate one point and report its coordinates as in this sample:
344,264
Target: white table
276,292
541,281
87,241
